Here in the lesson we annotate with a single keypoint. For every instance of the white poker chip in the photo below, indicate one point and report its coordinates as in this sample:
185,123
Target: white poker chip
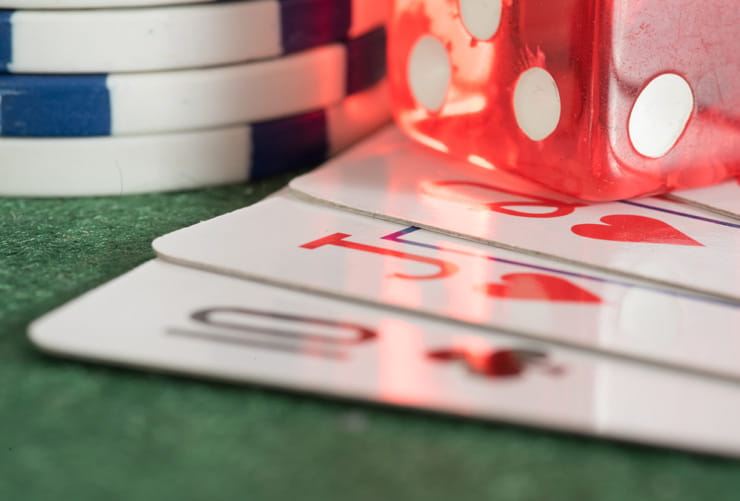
187,160
88,4
177,37
147,103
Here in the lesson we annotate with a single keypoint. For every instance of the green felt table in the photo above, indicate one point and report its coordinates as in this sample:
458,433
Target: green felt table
72,430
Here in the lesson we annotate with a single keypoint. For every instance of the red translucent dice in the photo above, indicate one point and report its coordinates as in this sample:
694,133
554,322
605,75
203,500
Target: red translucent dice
600,99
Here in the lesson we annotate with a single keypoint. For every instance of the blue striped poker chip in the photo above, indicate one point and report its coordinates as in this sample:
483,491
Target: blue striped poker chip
6,39
285,144
145,103
177,37
185,160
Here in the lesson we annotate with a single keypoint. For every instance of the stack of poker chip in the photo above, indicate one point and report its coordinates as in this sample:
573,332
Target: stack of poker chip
103,97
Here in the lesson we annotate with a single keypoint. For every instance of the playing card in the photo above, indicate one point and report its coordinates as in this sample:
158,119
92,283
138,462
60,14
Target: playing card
317,248
723,198
390,177
166,317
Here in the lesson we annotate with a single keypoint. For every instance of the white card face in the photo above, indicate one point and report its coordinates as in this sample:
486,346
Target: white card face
391,177
166,317
321,249
723,198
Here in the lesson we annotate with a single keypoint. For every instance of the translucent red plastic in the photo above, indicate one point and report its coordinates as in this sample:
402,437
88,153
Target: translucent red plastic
601,55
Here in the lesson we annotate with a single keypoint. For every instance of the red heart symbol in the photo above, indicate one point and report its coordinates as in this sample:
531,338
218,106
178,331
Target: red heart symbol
630,228
492,363
537,286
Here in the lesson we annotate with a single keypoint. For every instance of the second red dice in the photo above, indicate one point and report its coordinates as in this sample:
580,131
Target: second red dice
600,99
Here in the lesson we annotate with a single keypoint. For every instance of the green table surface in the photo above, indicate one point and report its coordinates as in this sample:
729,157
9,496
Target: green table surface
74,430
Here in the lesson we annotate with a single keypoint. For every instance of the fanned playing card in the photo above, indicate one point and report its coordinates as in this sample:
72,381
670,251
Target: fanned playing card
170,318
723,198
390,177
325,250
